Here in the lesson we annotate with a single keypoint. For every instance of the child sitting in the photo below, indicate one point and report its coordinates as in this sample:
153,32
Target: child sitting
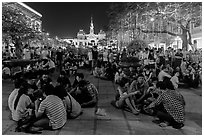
123,99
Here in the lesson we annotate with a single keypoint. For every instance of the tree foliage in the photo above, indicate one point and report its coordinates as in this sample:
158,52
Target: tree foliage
16,25
178,15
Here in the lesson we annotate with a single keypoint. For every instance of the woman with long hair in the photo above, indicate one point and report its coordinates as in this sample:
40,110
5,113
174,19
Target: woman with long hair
22,103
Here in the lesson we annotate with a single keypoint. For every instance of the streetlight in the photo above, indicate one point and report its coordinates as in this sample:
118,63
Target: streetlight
152,19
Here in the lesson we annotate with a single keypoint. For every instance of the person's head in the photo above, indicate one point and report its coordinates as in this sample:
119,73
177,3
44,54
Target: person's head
30,79
18,82
164,68
45,77
48,89
83,84
60,92
124,82
176,73
62,74
146,49
154,81
146,68
131,68
140,78
79,76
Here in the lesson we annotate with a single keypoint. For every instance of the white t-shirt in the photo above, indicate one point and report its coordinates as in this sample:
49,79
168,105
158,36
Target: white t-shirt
163,74
145,57
27,54
13,95
175,81
76,107
45,54
51,64
105,56
21,108
6,70
90,56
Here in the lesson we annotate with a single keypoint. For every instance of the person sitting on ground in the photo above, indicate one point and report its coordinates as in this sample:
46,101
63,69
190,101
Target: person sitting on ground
22,104
51,65
73,108
131,74
141,87
45,80
122,99
50,113
76,82
175,80
147,74
65,81
163,73
17,84
6,72
169,107
96,72
86,93
119,75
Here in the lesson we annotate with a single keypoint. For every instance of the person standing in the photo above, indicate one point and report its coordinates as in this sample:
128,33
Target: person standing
90,57
105,56
59,58
95,57
26,52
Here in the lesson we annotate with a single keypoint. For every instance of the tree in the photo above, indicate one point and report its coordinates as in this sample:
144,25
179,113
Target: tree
172,18
16,26
137,44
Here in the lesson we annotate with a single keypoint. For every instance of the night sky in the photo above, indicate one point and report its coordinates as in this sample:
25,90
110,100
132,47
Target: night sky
64,19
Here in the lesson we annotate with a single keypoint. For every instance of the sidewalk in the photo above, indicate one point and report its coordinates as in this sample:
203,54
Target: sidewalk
116,122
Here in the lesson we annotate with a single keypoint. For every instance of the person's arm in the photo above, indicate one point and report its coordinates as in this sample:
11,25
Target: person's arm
93,101
38,84
130,94
39,110
167,75
155,103
94,93
149,77
131,89
144,93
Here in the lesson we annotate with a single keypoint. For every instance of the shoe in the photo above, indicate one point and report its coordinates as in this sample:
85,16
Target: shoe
163,124
34,130
156,121
178,126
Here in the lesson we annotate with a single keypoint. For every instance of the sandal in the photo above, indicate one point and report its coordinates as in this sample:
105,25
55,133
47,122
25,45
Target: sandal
163,124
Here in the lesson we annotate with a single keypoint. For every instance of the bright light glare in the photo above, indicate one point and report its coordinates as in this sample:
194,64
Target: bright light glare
152,19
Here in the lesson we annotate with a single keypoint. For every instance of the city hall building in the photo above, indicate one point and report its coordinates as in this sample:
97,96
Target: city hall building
87,40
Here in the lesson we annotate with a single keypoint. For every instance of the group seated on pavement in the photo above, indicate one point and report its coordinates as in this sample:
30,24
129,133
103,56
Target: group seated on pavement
150,88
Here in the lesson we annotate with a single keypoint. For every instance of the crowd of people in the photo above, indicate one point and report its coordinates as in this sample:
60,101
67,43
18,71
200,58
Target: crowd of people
150,87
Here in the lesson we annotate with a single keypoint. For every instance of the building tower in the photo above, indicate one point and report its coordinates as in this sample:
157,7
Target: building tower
92,27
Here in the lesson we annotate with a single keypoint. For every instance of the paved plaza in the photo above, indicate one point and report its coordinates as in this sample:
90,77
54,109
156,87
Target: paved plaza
116,121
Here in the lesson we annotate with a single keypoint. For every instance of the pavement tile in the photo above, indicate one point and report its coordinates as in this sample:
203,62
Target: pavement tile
8,126
112,128
186,130
6,115
114,113
145,128
78,127
88,114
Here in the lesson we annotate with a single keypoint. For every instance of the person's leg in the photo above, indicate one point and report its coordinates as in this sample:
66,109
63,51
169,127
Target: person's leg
134,110
44,123
164,116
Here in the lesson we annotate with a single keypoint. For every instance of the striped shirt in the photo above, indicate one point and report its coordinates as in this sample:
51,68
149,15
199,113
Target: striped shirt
54,109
